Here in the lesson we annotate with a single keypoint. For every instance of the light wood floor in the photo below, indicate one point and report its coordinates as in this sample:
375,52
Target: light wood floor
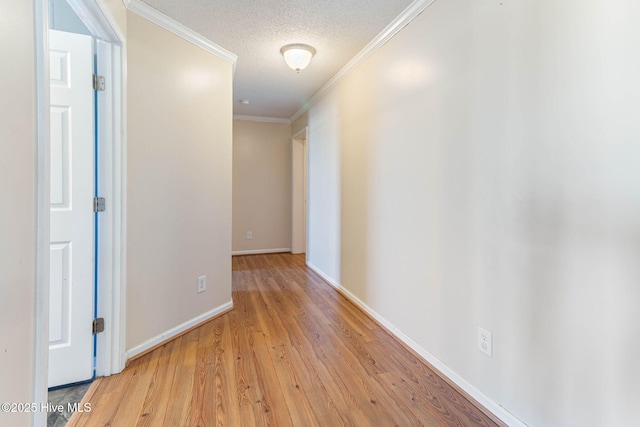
292,352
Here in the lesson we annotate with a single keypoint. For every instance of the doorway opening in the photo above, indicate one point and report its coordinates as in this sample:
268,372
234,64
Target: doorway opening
109,48
299,166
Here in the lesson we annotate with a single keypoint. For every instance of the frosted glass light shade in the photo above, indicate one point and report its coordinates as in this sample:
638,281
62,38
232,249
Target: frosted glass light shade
297,56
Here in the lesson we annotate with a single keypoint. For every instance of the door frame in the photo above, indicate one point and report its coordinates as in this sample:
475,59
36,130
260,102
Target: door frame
301,135
111,261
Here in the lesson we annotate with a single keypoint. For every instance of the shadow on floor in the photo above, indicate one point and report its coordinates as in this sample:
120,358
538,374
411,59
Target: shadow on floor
64,396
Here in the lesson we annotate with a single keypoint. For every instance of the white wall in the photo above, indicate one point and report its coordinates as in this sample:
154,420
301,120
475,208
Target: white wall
324,187
17,207
261,185
179,154
481,170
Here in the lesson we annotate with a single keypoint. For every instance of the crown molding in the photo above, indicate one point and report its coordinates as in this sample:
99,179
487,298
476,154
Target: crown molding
261,119
180,30
408,15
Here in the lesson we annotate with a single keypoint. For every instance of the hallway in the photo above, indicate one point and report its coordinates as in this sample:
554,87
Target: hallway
292,352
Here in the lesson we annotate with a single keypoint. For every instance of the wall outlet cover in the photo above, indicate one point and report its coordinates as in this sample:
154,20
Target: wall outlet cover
485,341
202,284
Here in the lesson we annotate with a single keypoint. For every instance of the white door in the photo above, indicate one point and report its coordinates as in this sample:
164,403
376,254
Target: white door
72,219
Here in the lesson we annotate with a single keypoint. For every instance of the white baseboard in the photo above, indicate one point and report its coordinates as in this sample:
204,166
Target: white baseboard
173,332
469,388
261,251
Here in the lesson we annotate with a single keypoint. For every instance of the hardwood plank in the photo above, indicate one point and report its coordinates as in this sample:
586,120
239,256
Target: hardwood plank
182,381
292,352
204,405
245,373
159,391
272,400
131,406
225,388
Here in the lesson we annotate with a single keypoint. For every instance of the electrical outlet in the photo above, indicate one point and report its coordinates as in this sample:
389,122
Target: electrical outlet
249,235
202,284
484,341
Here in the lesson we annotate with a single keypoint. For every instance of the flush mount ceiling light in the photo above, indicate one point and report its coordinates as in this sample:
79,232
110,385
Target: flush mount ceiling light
297,56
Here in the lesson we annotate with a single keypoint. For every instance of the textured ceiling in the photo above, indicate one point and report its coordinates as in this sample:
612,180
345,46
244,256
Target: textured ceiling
256,30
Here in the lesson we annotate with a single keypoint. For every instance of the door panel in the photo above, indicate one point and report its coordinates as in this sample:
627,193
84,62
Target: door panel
72,220
60,261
